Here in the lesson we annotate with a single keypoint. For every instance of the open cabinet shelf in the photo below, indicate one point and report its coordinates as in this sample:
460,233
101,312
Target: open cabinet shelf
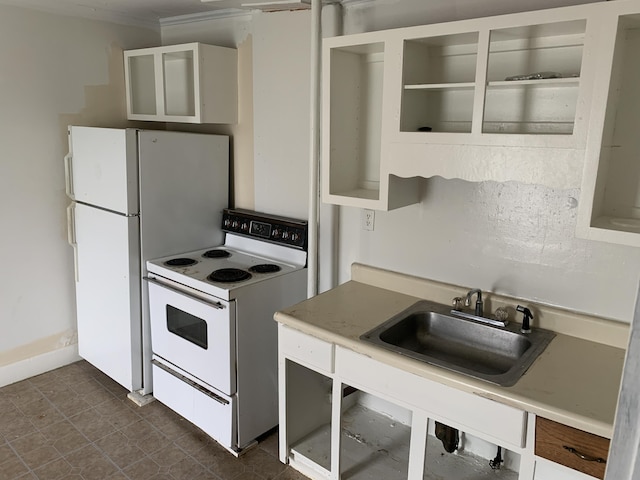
352,124
192,83
505,98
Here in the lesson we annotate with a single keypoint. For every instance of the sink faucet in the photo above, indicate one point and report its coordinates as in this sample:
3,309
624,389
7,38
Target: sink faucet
467,301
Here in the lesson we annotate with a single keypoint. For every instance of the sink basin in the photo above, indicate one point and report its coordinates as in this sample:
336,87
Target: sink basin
427,332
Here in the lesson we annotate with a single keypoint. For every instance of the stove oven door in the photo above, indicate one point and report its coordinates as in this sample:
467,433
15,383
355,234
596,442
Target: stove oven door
194,334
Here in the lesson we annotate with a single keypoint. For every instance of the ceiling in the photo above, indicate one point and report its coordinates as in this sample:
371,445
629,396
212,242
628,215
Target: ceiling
148,12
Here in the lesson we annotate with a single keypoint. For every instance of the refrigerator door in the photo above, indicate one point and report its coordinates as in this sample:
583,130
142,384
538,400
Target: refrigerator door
102,168
108,292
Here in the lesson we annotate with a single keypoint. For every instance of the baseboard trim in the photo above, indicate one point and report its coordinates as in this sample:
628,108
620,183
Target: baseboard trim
45,362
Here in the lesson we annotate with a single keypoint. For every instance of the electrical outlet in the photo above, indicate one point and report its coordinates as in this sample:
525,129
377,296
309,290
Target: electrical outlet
368,219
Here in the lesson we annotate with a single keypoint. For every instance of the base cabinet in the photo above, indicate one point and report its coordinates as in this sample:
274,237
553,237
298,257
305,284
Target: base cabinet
349,416
344,415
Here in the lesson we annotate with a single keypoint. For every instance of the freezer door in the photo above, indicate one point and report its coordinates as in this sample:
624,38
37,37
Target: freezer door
102,168
108,293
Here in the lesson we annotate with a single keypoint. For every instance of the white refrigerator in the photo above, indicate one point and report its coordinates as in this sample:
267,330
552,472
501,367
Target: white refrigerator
137,195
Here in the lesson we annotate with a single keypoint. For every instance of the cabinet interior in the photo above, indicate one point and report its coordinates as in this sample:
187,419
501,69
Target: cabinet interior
375,438
616,202
308,399
375,435
142,85
517,100
438,83
179,84
355,120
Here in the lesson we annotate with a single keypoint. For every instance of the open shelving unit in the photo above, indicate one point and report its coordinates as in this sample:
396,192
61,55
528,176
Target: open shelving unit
504,98
439,83
380,425
546,105
610,200
353,111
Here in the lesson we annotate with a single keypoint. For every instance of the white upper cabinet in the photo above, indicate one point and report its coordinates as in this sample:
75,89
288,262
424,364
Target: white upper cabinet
609,208
504,98
353,139
192,83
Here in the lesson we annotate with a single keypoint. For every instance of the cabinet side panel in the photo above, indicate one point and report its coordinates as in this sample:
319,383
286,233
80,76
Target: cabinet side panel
219,84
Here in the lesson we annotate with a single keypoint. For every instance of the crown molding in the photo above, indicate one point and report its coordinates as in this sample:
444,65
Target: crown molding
204,16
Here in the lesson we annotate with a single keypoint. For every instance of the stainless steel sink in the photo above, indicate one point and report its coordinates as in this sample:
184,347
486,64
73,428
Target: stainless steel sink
427,332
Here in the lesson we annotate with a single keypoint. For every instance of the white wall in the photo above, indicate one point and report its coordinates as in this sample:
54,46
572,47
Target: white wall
233,31
55,71
509,238
281,82
271,139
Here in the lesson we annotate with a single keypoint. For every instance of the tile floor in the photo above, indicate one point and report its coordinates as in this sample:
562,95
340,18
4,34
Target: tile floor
76,423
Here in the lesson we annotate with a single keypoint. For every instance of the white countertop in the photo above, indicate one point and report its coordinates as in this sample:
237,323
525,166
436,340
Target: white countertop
575,381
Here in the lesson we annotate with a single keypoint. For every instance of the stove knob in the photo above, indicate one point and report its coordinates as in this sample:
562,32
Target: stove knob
244,226
285,235
295,237
234,224
227,222
275,233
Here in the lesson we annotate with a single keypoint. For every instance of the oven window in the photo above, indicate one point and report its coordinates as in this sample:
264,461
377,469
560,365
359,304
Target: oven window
187,326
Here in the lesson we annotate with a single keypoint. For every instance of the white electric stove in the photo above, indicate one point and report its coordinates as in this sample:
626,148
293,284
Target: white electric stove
214,340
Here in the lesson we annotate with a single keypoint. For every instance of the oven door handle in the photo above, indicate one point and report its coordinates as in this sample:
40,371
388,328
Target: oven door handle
217,305
190,382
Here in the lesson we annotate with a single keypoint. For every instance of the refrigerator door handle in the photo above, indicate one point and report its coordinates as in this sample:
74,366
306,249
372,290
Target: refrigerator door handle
71,236
68,175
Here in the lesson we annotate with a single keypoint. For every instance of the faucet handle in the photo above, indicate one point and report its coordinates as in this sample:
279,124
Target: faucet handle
458,303
501,314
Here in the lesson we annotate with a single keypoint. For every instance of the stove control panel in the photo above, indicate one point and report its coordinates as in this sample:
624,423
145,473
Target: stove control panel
271,228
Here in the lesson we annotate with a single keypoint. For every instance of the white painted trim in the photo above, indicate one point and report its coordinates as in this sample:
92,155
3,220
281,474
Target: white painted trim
45,362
